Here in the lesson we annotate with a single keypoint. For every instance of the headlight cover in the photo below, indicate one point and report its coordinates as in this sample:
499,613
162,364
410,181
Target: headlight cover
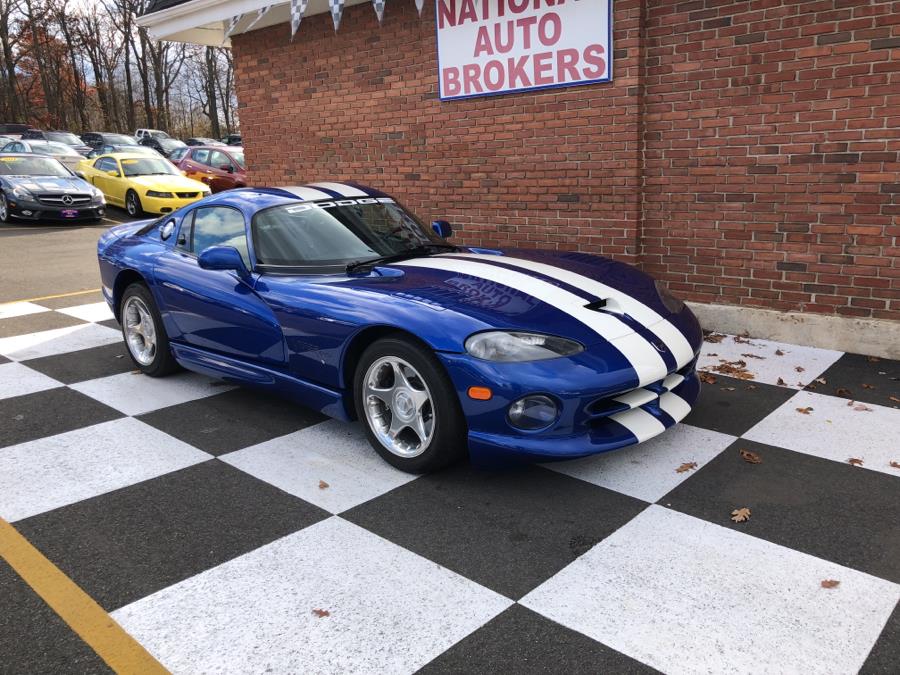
509,346
98,196
160,195
22,193
670,302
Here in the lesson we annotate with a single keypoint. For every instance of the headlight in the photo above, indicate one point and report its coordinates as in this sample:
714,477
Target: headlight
160,195
670,302
509,346
98,195
22,193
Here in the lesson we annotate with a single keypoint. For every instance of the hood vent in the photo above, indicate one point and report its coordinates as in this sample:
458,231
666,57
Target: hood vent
596,306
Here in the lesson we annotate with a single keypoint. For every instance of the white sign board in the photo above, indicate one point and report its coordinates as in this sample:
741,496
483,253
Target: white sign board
497,46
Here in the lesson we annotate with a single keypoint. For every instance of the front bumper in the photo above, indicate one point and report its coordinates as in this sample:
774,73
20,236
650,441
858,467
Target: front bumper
166,204
599,410
38,211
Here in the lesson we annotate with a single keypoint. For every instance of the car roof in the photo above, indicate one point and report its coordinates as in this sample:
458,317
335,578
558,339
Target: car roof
264,197
127,155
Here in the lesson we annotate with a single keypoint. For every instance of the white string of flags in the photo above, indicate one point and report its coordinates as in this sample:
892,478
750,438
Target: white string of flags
298,9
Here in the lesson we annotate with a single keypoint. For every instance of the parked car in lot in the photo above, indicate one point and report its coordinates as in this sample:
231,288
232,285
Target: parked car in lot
95,138
107,149
221,167
164,146
335,295
64,153
202,141
141,134
140,183
233,139
35,187
63,137
13,129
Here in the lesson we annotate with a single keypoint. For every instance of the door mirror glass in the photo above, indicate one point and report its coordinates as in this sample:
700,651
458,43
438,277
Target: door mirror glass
227,167
113,172
442,228
223,258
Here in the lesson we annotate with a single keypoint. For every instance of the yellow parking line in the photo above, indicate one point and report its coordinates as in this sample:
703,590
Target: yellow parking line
52,297
98,629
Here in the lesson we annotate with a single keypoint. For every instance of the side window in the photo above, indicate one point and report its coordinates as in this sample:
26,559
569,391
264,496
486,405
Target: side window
106,164
184,234
201,156
219,159
18,147
220,226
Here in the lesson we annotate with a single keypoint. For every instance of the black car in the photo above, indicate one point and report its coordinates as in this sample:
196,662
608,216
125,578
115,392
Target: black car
164,146
14,129
233,139
35,187
95,138
63,137
200,140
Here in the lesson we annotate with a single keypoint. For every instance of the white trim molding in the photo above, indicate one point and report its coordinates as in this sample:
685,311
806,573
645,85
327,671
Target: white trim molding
873,337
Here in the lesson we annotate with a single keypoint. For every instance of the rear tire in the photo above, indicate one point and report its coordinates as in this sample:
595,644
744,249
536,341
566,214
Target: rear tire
408,406
133,204
144,332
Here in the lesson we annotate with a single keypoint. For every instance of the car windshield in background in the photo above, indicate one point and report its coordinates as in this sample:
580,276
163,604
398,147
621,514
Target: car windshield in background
32,166
321,234
238,156
60,137
119,139
49,148
149,167
159,135
170,143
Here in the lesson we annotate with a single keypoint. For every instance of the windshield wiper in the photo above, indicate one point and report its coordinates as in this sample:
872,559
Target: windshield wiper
416,251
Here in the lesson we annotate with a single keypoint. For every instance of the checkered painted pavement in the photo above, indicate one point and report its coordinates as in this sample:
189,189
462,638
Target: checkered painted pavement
228,531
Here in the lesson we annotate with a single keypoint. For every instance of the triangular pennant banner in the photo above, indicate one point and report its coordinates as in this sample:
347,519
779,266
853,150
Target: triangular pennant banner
337,8
232,24
298,9
419,5
260,13
379,9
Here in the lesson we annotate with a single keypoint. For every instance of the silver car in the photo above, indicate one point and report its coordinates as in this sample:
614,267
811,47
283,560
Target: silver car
67,155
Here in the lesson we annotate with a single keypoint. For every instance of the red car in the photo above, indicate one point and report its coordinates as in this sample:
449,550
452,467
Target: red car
220,167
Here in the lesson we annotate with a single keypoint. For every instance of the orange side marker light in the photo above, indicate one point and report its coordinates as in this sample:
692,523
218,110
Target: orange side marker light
480,393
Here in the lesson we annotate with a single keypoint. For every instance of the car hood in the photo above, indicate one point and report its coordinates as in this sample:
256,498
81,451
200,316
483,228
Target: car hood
48,184
168,183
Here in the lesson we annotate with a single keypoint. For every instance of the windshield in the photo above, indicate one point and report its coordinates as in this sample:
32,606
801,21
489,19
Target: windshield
159,134
149,167
238,156
170,143
32,166
319,234
119,139
52,149
60,137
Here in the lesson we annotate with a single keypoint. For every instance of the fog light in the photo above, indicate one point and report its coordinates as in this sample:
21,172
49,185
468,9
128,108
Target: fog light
533,412
27,213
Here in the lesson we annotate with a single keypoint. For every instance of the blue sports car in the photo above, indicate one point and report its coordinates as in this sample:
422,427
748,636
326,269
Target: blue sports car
336,296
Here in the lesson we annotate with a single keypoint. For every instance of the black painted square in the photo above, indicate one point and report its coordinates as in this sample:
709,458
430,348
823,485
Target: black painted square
733,406
47,413
862,378
85,364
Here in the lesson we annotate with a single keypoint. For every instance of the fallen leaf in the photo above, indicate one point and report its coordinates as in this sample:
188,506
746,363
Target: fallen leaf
872,359
321,613
830,583
750,386
851,402
715,338
778,352
855,461
894,399
687,466
736,369
843,391
781,382
862,408
727,388
895,465
120,356
323,485
706,378
754,356
799,369
868,386
742,339
740,515
751,457
712,354
805,411
820,380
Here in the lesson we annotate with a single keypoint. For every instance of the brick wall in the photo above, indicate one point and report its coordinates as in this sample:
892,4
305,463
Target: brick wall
746,152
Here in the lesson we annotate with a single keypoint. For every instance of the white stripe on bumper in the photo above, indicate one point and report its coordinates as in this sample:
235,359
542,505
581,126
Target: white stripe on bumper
640,423
675,406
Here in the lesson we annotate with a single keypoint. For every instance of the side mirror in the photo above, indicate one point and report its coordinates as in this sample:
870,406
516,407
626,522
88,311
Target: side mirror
113,173
80,174
227,167
442,228
223,258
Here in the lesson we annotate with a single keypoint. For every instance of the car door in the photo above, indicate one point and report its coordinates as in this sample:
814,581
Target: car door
221,170
99,177
196,166
215,310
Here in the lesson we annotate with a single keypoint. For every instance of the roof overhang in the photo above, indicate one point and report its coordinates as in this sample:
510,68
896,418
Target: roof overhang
204,22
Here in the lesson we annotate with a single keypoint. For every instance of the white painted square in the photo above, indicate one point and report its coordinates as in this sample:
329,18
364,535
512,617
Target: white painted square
389,610
334,452
45,474
834,429
57,341
770,367
648,470
687,596
135,394
8,310
19,380
94,312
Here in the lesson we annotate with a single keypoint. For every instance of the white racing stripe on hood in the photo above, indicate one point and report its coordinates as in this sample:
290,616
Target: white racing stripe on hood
642,356
306,193
341,189
646,316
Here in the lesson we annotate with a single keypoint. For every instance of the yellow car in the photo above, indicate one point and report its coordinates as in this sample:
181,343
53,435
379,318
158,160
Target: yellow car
140,183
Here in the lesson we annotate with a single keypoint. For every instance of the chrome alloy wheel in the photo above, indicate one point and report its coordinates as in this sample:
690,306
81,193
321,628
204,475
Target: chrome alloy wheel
398,406
140,331
4,209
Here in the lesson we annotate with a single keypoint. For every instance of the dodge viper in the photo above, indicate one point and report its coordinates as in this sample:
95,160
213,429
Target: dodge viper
335,295
141,183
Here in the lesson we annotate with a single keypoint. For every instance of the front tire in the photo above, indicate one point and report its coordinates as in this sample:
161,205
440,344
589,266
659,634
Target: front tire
133,204
144,333
408,406
4,209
